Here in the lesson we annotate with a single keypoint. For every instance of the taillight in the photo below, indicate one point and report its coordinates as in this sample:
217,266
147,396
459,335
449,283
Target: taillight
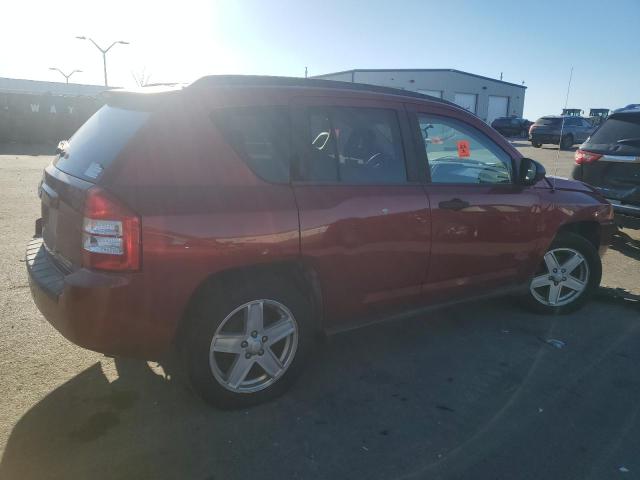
110,234
583,157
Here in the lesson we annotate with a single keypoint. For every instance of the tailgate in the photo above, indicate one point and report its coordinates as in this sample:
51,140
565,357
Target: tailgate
620,180
80,165
62,197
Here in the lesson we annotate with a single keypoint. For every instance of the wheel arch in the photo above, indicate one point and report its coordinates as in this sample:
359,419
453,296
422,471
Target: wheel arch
297,271
589,229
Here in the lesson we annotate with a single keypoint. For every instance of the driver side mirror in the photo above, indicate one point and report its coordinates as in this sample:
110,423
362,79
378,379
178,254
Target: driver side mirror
531,172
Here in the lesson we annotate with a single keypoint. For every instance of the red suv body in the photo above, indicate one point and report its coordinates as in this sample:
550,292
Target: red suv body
369,201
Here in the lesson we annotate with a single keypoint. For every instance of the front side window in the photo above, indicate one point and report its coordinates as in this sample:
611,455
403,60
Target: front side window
261,136
460,154
354,146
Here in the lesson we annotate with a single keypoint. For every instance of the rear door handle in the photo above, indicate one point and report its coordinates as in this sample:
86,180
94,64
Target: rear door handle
454,204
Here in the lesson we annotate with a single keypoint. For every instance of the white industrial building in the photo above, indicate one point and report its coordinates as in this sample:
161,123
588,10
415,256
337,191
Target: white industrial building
487,97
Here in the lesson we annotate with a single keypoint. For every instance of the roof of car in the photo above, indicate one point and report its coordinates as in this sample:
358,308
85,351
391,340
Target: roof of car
147,97
274,81
562,116
626,111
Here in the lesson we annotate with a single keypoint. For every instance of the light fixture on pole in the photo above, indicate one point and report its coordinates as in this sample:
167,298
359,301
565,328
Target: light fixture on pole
66,76
104,53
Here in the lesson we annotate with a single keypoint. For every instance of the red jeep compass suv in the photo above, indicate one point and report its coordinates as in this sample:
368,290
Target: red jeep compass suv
238,217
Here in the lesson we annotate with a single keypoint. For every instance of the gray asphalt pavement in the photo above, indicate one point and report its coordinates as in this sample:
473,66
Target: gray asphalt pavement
556,162
467,392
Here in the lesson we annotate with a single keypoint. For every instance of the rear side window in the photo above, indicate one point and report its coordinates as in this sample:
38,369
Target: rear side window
261,136
99,141
354,146
618,134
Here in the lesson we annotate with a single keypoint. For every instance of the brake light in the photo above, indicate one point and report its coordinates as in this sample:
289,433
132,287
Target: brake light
582,157
110,234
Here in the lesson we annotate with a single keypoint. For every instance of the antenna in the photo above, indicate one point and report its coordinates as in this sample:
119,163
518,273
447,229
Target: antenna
566,102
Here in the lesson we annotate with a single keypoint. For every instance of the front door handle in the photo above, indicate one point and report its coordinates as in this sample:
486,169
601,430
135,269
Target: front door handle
454,204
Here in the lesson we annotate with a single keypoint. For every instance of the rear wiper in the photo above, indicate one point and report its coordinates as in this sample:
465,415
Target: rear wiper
634,142
62,147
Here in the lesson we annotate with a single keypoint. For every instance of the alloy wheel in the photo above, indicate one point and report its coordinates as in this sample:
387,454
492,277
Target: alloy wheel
253,346
562,277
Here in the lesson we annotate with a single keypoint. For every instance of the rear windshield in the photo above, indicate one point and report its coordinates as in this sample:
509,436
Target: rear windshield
99,141
617,128
549,121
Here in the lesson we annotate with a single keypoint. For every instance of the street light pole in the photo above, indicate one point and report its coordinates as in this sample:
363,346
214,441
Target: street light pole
104,54
66,77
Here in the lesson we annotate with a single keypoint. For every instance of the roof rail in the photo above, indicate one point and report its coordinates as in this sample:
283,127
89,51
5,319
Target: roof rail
269,81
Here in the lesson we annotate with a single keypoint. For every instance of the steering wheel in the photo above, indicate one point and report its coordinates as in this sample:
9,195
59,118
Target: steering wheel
321,140
376,160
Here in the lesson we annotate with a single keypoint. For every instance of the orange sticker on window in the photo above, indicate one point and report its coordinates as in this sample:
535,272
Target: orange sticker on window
463,148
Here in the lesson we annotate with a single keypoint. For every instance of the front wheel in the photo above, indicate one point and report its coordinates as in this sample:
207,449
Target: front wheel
536,144
567,276
247,341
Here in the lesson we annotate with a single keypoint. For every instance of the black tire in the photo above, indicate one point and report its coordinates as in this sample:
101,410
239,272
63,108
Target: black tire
535,144
590,254
566,142
212,306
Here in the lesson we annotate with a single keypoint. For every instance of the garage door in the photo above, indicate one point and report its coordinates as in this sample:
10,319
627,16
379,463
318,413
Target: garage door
497,107
466,101
433,93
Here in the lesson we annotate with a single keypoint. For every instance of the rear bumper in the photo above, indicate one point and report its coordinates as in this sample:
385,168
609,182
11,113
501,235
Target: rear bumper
103,312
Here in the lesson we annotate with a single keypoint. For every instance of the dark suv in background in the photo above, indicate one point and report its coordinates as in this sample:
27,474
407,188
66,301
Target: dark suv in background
549,129
511,126
610,161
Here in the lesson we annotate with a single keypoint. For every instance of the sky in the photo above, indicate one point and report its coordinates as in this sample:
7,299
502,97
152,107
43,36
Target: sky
532,41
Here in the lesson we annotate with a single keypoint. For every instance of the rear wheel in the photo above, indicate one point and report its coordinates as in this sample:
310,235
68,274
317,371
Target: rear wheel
568,275
566,142
536,144
246,342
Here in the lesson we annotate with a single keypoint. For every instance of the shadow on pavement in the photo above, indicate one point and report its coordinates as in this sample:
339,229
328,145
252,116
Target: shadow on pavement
619,295
520,143
463,393
555,147
625,244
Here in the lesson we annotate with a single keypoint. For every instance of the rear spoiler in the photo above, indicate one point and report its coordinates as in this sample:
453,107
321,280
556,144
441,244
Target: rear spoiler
144,98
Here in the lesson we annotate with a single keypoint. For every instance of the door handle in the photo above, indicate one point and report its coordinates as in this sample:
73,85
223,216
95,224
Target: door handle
454,204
